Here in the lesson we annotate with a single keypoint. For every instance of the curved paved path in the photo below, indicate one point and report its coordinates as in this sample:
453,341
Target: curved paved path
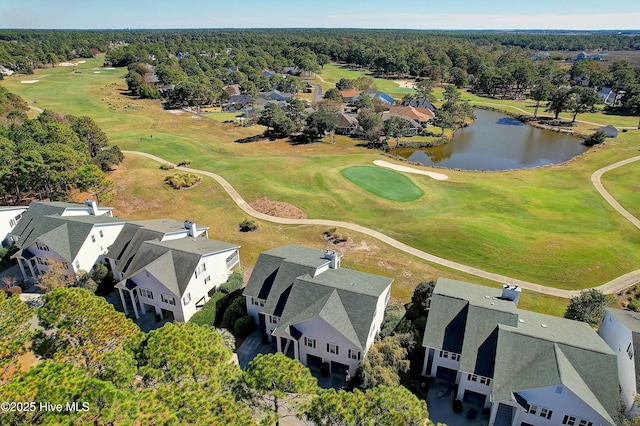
616,284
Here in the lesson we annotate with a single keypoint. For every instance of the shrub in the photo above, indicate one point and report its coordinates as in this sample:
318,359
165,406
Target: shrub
634,306
182,180
393,314
235,282
184,163
166,166
244,326
236,310
595,138
207,316
247,225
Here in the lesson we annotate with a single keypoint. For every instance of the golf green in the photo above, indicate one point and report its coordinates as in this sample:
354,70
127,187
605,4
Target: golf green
384,183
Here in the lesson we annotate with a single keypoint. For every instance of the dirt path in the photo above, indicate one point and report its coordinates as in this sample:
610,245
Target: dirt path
614,285
406,169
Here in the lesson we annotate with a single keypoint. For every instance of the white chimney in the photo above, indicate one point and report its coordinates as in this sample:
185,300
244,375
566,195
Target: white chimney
333,257
191,226
93,205
511,292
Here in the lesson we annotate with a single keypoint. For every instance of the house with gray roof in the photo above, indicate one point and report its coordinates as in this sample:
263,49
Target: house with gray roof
317,312
176,277
621,330
126,246
79,235
527,368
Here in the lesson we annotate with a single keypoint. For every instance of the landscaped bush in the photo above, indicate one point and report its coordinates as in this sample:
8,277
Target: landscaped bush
634,306
235,282
166,166
207,316
596,138
244,326
182,180
184,163
334,236
393,314
247,225
236,310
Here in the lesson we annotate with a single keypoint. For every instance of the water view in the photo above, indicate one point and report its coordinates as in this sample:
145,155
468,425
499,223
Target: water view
498,142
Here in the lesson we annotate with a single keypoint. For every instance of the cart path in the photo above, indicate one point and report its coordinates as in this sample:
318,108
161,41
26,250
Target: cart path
612,286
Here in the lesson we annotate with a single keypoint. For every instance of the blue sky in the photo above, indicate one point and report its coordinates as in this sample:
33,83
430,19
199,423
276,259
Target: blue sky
414,14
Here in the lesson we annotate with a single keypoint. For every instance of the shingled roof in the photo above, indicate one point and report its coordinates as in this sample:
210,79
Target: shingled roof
173,262
345,299
64,235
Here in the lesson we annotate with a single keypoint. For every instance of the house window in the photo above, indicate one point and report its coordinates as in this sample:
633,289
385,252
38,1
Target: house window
569,420
76,264
257,302
533,409
93,238
630,351
170,300
444,354
101,234
207,279
584,422
472,377
41,246
12,223
332,348
455,357
354,354
201,269
146,293
485,380
186,299
546,413
273,320
310,342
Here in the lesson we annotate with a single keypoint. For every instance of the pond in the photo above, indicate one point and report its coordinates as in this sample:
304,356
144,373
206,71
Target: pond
498,142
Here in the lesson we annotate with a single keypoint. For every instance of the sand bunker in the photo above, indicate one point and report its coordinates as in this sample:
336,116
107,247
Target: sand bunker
405,84
175,111
399,168
29,81
108,68
67,64
82,62
96,72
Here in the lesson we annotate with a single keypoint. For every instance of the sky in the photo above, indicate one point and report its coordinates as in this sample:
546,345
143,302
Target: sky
409,14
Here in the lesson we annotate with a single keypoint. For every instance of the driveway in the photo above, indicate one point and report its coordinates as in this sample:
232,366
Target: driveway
440,406
252,346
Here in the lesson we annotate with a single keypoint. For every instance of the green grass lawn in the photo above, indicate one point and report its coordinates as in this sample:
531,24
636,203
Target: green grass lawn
546,225
332,73
623,184
384,183
222,116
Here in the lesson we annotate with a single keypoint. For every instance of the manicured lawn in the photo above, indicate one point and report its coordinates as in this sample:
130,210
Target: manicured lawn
546,225
332,73
222,116
623,184
384,183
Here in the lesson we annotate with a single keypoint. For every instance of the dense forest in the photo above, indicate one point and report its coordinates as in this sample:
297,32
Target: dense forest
52,155
199,64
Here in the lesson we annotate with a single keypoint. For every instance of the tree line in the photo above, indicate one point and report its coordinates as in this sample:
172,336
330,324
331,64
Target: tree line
52,155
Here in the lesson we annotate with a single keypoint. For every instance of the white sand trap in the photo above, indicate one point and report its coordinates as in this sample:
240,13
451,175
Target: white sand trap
82,62
29,81
175,111
108,68
405,84
96,72
399,168
67,64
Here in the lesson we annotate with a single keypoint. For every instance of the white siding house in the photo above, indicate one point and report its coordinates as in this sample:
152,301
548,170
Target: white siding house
176,278
9,217
527,368
66,232
316,311
621,330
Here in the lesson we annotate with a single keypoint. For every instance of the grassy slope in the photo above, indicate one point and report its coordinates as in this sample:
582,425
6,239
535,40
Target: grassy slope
547,225
623,184
332,73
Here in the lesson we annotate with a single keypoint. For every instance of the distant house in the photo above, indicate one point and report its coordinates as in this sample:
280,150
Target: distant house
295,71
238,102
416,118
610,131
381,96
232,89
275,95
5,71
527,368
317,312
126,246
9,217
350,95
79,235
621,330
267,73
175,278
540,56
421,103
584,56
347,124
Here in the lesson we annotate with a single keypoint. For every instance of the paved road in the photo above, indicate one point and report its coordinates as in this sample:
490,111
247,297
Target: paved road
612,286
317,91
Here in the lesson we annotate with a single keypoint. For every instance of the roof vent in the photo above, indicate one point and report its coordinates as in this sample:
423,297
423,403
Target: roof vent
543,325
487,297
520,320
